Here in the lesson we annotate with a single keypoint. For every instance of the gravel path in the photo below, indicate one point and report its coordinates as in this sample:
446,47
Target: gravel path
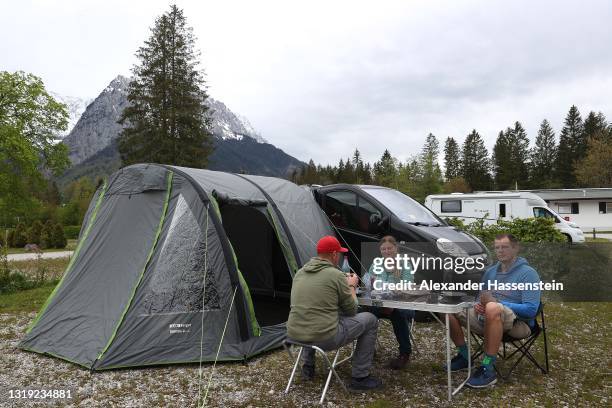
44,255
577,333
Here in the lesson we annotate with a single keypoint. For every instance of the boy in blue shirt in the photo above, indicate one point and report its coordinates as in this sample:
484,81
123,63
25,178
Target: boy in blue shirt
496,311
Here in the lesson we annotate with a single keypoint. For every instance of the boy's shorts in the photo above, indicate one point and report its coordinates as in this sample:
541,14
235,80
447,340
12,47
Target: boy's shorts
512,326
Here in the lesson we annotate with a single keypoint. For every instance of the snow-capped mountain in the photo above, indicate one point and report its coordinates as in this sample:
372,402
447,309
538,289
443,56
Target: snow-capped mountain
97,127
238,146
76,107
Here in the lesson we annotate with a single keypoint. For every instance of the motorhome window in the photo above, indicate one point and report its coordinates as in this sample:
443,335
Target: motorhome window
404,207
450,206
340,208
565,208
575,209
502,210
364,212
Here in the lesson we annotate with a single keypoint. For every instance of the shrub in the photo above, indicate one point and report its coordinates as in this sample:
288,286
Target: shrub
34,231
19,236
72,231
46,240
58,237
15,281
524,229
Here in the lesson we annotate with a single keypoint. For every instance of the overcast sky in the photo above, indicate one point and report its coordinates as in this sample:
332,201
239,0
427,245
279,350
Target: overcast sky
319,79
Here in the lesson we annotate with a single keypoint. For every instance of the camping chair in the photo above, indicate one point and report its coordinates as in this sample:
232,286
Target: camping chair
331,365
521,346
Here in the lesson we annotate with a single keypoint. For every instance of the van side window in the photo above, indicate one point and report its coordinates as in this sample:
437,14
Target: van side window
450,206
340,207
364,212
502,210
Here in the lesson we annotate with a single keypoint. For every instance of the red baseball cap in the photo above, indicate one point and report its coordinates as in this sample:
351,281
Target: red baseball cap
329,244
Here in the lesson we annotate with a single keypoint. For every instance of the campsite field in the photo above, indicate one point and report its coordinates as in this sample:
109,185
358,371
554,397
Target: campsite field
579,339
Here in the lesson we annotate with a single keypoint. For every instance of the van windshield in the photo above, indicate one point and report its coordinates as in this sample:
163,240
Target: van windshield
404,207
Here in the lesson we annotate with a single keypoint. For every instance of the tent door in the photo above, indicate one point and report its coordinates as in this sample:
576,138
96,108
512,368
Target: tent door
260,260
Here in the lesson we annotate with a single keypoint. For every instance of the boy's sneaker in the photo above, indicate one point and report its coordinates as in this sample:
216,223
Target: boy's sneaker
458,363
308,372
482,377
364,384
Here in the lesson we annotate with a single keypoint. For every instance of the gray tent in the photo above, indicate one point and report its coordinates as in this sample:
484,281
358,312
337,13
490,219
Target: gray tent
171,260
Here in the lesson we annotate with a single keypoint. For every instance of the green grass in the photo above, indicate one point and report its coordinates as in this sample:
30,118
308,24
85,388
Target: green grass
70,246
30,300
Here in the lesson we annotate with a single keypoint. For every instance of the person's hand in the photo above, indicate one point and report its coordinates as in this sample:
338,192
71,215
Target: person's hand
479,308
352,279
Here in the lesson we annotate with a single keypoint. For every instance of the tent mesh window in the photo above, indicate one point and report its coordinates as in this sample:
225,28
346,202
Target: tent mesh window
177,281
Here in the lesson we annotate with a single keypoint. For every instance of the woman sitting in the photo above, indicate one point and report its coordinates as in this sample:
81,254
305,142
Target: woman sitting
400,318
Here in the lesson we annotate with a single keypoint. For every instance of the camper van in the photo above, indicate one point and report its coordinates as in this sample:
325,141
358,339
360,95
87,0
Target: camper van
493,206
362,214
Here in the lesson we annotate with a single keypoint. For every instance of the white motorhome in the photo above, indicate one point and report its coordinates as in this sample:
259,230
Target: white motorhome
492,206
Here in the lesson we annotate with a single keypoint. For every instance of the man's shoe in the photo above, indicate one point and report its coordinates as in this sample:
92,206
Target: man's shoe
364,384
482,377
458,363
400,362
308,372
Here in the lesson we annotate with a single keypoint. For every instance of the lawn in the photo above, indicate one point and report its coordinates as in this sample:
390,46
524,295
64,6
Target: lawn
40,269
579,346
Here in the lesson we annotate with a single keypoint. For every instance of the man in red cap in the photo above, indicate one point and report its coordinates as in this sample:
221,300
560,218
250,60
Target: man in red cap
324,313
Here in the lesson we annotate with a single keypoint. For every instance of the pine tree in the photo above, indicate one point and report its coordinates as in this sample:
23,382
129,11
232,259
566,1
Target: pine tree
595,169
385,170
543,157
309,174
572,148
452,159
475,165
431,175
360,176
502,160
520,156
595,125
167,119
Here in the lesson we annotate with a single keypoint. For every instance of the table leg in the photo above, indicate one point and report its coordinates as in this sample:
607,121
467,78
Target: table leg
448,358
469,347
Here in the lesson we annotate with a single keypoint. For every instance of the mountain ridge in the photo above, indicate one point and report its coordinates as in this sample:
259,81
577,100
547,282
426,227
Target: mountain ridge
238,146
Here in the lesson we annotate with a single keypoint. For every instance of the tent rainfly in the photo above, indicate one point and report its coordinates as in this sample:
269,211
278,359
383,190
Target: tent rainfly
174,262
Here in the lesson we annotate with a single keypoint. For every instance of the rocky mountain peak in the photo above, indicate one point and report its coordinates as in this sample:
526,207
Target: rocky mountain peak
97,128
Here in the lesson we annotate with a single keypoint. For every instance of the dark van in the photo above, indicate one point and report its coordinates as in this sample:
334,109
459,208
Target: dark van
364,213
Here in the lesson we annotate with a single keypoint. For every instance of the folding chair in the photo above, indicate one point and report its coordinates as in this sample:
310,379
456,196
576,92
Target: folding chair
331,365
521,346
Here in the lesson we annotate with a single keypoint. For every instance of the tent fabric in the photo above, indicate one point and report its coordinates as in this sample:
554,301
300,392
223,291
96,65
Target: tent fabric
162,251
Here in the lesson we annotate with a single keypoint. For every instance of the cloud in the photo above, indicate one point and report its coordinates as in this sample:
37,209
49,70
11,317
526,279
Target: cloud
319,79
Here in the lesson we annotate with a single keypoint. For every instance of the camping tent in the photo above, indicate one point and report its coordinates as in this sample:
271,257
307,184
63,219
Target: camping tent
172,262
